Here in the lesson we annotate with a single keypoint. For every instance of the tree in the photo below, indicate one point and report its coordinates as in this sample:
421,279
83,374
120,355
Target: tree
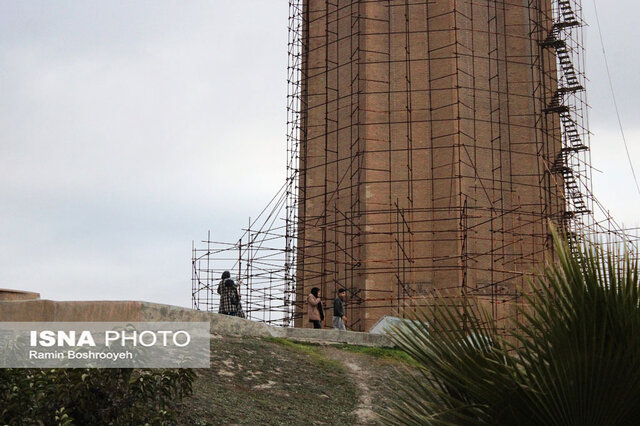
573,358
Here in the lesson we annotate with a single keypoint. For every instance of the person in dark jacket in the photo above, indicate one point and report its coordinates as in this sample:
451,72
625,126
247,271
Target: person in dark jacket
339,318
229,296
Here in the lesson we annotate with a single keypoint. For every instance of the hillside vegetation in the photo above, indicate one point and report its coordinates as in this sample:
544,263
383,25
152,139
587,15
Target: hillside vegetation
276,381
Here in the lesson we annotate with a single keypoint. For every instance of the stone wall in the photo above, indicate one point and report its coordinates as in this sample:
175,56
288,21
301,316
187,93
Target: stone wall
134,311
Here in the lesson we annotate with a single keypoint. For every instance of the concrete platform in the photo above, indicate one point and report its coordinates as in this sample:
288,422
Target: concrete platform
135,311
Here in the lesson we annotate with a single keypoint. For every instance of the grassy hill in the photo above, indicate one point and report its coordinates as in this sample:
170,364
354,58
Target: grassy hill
275,381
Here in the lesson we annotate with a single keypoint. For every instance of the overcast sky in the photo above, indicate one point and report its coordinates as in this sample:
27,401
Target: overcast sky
129,129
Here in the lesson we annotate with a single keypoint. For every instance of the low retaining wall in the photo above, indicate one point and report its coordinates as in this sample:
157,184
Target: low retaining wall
133,311
10,294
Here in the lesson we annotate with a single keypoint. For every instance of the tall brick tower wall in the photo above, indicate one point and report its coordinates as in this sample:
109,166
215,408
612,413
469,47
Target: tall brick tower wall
427,152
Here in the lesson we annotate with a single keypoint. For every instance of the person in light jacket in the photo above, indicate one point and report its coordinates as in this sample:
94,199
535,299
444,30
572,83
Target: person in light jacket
314,303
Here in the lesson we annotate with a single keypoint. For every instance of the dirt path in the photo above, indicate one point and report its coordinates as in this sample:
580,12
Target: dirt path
370,376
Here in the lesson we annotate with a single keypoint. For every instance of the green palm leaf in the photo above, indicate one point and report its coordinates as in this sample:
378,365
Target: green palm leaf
572,357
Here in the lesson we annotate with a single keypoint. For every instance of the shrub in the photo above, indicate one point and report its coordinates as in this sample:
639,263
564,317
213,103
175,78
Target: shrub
91,396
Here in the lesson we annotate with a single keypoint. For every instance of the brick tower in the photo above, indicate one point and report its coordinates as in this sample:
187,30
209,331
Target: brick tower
430,151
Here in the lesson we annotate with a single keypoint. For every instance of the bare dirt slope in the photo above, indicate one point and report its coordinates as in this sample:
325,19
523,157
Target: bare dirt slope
274,381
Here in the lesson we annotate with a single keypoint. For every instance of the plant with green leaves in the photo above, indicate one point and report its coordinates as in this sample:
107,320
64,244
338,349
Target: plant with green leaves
571,358
77,396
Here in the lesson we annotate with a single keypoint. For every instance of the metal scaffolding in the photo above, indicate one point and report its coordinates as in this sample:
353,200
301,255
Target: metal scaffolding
428,149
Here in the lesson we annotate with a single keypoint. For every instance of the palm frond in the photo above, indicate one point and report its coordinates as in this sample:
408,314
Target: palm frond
572,357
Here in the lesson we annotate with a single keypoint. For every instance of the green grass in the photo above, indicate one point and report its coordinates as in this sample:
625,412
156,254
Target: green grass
276,381
269,382
312,349
394,354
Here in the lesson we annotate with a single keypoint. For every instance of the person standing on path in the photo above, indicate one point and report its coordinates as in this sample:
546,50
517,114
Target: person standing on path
314,304
339,318
229,296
